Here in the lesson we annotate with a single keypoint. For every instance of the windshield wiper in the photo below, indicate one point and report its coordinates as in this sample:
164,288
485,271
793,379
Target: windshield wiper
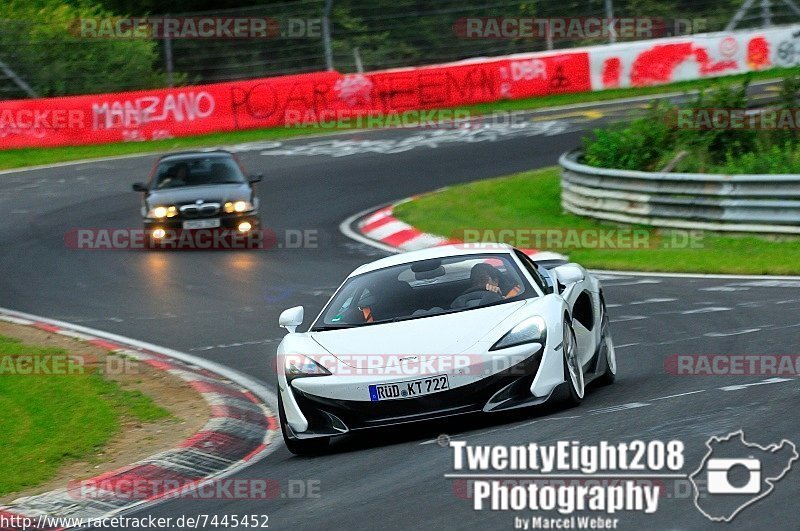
395,319
331,327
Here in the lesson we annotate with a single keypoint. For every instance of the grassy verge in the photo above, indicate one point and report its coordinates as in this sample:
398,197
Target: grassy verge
48,419
15,158
531,200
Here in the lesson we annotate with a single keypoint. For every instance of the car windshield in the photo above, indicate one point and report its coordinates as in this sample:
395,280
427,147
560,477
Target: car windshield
425,288
197,171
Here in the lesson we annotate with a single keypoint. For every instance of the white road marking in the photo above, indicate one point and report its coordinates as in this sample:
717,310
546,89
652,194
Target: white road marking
763,382
541,420
626,345
735,333
710,309
627,406
624,318
679,394
426,138
652,301
772,283
621,407
695,275
234,345
723,288
633,282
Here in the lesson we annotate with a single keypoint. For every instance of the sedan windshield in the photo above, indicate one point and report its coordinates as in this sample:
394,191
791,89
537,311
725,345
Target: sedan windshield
197,171
425,288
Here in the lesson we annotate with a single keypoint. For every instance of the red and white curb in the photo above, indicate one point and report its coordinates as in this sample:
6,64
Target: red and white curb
240,432
380,228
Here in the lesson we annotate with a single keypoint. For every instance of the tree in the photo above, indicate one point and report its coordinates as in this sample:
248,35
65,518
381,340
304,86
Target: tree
40,40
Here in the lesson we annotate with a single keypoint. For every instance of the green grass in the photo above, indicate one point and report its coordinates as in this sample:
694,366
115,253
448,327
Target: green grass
531,200
48,420
16,158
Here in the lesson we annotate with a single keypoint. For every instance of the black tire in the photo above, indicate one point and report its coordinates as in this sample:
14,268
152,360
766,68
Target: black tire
608,377
574,396
306,447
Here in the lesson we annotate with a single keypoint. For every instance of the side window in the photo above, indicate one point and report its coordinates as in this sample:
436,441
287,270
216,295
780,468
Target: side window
531,268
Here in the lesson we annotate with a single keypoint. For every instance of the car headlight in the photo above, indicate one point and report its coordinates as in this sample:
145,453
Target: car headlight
238,206
531,330
161,212
299,366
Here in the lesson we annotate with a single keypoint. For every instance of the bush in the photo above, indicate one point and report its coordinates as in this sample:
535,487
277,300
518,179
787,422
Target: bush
650,142
773,159
636,146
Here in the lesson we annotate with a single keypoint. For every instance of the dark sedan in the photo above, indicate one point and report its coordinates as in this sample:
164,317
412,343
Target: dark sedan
199,190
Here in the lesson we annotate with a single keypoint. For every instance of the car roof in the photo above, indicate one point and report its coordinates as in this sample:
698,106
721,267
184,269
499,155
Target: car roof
443,251
183,155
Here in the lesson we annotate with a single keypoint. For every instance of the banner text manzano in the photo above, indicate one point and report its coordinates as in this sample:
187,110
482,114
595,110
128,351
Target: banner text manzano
271,102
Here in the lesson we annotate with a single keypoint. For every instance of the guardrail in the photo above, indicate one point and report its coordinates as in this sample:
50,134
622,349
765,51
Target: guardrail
736,203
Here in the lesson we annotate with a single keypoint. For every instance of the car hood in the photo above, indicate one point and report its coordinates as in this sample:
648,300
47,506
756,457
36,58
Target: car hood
441,335
212,193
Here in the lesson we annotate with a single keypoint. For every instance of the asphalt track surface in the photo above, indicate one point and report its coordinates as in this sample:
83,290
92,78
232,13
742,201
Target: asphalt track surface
224,306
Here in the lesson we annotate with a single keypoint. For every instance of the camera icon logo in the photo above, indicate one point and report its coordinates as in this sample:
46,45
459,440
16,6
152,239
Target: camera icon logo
735,474
719,472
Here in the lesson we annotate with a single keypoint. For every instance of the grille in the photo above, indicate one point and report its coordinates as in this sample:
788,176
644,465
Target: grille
200,211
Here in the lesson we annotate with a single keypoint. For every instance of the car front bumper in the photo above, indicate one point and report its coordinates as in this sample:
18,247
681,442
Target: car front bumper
327,406
227,221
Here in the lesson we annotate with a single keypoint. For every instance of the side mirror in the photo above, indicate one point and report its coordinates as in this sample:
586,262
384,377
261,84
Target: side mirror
256,178
568,274
139,187
292,318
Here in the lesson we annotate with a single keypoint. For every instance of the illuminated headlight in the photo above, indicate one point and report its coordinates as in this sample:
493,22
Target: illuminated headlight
161,212
531,330
238,206
298,366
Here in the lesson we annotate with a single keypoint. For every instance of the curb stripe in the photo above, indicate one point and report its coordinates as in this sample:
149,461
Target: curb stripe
381,229
107,345
371,226
240,430
397,239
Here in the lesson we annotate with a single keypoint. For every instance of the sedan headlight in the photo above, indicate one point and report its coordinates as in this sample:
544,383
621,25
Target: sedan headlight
238,206
161,212
298,366
531,330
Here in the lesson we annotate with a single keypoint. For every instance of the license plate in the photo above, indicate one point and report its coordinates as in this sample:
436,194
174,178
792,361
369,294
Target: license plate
212,223
410,389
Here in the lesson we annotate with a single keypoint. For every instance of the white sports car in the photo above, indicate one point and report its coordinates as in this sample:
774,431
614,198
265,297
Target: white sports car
441,332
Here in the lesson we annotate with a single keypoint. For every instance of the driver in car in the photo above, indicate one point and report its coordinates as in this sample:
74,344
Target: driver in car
484,288
498,282
177,176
